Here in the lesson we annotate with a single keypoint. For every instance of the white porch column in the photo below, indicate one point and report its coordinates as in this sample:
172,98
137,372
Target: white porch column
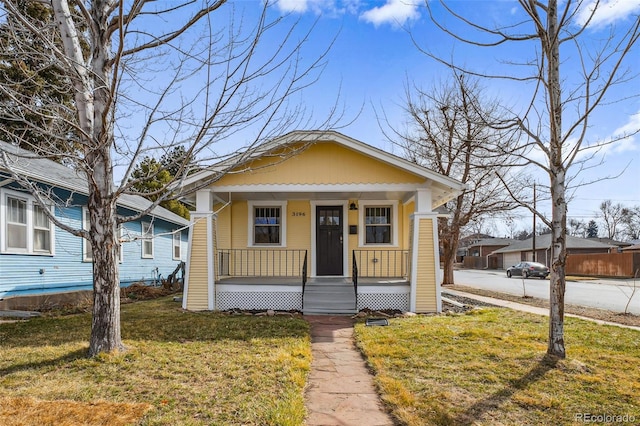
425,275
199,286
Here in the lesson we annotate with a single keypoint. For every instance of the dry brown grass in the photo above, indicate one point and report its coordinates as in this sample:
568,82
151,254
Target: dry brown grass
488,367
26,411
193,368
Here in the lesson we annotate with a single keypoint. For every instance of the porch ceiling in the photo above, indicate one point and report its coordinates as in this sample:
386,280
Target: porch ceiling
340,195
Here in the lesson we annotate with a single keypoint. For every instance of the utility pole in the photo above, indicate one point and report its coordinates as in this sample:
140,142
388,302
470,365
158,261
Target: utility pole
534,222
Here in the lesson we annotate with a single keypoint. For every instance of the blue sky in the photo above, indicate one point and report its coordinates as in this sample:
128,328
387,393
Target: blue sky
374,55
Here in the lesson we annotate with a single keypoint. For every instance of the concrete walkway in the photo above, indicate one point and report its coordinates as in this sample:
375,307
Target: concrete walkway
528,308
340,390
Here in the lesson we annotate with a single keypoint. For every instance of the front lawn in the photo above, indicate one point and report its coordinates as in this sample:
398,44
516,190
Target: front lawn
180,368
488,368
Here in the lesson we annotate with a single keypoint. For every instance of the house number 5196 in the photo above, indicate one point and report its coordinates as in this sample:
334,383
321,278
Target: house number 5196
298,214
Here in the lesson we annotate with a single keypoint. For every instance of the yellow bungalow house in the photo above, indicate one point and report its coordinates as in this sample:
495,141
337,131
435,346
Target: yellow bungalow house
317,222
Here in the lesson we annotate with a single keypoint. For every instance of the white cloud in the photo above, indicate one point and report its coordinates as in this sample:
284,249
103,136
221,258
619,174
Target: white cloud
299,6
327,8
608,11
394,12
629,134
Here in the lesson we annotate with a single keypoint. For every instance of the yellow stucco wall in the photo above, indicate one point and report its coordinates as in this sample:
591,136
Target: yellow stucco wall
426,299
197,296
323,163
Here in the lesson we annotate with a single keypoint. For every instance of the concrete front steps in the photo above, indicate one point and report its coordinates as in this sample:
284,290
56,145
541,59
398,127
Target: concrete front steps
329,296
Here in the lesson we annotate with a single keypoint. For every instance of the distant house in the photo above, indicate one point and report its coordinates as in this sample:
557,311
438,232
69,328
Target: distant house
634,248
465,242
478,253
38,258
610,241
523,250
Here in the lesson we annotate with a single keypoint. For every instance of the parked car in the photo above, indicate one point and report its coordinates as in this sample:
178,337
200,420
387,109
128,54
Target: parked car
528,269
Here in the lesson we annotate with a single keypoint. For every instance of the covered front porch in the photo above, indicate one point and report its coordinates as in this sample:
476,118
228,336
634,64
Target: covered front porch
278,280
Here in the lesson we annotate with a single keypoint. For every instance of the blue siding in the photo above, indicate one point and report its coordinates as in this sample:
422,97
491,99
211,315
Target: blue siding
22,275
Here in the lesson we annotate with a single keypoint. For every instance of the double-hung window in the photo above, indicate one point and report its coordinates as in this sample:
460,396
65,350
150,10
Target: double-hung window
267,224
147,240
378,223
41,230
26,228
177,245
17,229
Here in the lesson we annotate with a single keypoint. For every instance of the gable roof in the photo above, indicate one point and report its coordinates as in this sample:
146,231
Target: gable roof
443,186
544,242
49,172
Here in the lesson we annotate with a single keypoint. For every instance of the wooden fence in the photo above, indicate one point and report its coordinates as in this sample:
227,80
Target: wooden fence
604,265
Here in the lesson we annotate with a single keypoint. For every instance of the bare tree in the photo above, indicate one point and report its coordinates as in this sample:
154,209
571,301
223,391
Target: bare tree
555,121
612,217
631,224
148,77
448,132
577,228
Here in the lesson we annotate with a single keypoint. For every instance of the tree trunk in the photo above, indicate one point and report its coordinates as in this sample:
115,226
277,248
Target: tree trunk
449,250
92,80
557,176
449,240
105,326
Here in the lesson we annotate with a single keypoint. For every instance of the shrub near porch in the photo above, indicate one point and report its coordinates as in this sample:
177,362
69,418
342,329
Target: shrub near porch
487,368
191,368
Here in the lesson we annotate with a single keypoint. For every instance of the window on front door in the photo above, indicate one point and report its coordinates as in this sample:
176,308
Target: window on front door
378,225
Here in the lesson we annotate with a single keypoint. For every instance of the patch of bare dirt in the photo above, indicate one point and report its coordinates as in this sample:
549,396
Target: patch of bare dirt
599,314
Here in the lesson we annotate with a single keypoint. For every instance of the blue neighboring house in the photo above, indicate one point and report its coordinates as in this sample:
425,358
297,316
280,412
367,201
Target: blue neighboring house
38,258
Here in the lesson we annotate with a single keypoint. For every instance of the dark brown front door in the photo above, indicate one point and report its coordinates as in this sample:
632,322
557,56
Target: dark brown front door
329,240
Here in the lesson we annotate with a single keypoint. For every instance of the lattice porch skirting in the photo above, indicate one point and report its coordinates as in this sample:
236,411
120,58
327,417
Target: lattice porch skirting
276,300
381,301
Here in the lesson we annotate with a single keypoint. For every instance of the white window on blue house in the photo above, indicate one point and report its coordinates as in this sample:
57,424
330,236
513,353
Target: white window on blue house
41,230
177,245
27,229
147,240
17,228
87,251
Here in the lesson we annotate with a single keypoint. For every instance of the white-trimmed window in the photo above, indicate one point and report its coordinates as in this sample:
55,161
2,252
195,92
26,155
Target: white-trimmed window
17,228
147,240
267,222
87,251
380,223
26,228
177,245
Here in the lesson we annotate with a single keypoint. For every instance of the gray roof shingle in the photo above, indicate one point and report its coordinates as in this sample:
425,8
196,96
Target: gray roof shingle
49,172
544,242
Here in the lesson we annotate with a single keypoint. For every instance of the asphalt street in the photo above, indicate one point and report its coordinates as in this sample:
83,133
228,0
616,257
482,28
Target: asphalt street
609,294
